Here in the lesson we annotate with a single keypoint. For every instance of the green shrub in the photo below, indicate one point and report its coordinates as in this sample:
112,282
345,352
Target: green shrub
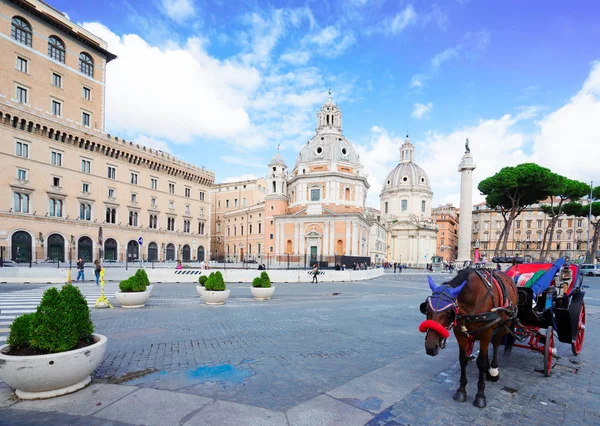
20,331
61,319
141,273
265,280
257,282
126,285
215,282
137,284
202,280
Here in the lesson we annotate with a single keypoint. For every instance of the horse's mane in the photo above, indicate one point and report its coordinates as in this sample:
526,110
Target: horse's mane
459,278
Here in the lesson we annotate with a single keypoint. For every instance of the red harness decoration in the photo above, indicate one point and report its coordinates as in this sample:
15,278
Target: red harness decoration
435,326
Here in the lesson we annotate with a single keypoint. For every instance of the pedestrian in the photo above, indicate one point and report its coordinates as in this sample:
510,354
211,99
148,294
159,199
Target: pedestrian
395,266
399,267
97,269
315,272
179,267
80,264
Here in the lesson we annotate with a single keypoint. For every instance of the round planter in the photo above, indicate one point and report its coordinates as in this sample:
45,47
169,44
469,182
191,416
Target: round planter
150,288
132,299
47,376
260,293
215,297
200,289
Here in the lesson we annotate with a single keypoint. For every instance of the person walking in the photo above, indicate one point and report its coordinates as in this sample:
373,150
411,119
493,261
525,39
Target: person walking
80,264
179,266
395,266
97,269
315,272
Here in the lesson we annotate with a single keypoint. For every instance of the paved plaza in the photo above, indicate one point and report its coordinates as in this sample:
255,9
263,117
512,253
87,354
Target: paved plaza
316,354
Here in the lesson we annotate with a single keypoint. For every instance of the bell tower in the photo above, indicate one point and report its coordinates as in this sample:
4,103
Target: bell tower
276,201
407,151
329,119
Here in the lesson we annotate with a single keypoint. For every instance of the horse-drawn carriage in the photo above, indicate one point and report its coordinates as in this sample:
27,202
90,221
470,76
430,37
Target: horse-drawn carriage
524,307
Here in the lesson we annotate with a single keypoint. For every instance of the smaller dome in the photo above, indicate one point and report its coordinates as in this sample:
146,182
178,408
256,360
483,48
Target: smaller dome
277,159
406,175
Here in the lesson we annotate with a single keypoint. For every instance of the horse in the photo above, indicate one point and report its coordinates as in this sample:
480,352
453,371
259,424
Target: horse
479,304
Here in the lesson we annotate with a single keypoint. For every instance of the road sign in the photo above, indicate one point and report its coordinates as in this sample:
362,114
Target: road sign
140,241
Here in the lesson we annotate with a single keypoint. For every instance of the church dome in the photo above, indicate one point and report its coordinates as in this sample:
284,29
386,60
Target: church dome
277,159
406,175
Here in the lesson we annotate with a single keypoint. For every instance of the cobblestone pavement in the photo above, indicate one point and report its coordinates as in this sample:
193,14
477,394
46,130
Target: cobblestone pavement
314,341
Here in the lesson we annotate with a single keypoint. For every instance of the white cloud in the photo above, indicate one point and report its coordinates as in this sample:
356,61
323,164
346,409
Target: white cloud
296,57
179,10
175,93
245,161
420,110
395,25
239,178
152,143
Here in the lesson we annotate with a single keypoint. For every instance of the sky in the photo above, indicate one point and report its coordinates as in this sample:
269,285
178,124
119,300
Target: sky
221,84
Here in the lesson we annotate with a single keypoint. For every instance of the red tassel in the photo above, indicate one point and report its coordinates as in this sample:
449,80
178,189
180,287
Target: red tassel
435,326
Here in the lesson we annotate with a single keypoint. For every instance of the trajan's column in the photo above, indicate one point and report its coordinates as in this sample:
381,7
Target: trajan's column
466,167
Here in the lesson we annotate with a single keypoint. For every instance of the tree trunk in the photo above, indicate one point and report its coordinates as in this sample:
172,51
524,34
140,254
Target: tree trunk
542,252
553,223
497,249
595,240
509,222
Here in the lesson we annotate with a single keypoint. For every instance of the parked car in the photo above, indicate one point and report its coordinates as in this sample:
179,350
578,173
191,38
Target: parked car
9,263
589,269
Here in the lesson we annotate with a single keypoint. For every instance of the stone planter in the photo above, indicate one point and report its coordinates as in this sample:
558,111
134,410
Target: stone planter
260,293
215,297
47,376
132,299
200,289
150,288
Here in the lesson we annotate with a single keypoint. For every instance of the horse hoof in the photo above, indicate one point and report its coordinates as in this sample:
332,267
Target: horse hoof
480,402
460,396
491,378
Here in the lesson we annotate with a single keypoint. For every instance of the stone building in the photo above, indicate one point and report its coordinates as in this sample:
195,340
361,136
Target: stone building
446,219
69,189
406,211
377,237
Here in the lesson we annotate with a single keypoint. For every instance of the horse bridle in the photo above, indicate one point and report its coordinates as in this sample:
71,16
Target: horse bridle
451,306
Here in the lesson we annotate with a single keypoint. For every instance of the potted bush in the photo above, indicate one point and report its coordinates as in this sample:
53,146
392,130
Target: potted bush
200,288
132,292
261,287
54,350
141,274
215,292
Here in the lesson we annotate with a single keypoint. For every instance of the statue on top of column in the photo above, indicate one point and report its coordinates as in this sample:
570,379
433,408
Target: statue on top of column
467,149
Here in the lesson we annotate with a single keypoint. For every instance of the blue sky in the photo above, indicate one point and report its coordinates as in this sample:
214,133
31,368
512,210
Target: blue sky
221,83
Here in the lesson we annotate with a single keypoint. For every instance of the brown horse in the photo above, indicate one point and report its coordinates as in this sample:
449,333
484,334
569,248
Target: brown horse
477,303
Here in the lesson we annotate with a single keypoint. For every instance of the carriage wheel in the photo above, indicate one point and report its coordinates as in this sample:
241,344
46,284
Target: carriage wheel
470,346
548,351
578,343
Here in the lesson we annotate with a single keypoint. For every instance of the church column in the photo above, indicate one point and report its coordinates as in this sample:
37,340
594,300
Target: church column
332,241
276,237
282,241
326,239
355,238
347,238
296,237
302,238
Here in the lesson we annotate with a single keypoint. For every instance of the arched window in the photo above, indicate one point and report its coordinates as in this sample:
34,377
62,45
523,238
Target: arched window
347,194
289,247
274,187
86,64
21,30
339,248
56,49
423,206
404,205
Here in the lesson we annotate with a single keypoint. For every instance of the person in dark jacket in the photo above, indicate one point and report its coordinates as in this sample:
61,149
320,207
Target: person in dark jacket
315,272
80,264
97,269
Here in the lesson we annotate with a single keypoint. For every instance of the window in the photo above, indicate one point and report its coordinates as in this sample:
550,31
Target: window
235,203
250,228
187,209
86,166
86,64
219,204
228,231
170,224
201,228
241,229
423,206
579,222
315,194
171,188
85,119
188,192
56,108
133,219
21,95
21,203
226,203
201,212
56,80
153,221
202,196
153,202
55,208
171,205
56,158
386,207
85,211
559,223
56,49
186,226
133,178
111,172
235,231
259,228
258,248
271,249
243,202
21,174
86,93
153,183
518,224
23,150
404,205
111,215
539,223
56,182
270,236
21,31
218,227
111,193
85,187
22,64
134,198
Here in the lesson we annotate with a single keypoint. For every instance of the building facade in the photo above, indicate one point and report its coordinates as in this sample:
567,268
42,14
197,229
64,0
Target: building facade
406,211
527,233
446,219
69,189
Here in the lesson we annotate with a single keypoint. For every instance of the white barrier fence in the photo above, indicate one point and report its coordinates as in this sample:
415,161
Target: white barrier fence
162,275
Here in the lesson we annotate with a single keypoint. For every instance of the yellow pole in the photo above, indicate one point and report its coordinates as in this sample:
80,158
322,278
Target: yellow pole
102,301
69,276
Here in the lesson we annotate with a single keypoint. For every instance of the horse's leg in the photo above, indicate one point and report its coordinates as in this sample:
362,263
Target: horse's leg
461,393
493,374
483,365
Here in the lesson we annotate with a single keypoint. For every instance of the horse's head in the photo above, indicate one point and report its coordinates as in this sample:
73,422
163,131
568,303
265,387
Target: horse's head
440,309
